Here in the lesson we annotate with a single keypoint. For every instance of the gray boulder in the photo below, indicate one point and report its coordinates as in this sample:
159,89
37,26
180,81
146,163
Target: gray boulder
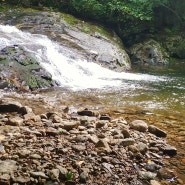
87,40
149,52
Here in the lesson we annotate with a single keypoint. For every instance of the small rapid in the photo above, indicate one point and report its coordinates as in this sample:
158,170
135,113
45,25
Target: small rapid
65,67
144,89
89,85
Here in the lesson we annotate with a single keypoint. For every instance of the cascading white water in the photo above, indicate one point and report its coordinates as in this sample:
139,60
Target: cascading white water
67,71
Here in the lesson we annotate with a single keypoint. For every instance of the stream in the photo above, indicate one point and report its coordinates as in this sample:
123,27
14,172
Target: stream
157,91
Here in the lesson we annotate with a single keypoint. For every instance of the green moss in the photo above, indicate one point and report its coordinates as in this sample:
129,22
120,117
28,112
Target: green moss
70,19
91,28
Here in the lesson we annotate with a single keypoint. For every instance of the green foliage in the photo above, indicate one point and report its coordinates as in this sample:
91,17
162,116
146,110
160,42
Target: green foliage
102,10
115,10
69,176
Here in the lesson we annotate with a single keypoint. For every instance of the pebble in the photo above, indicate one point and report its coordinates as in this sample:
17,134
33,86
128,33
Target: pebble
84,176
145,175
78,148
39,174
165,173
70,125
44,151
15,121
54,174
127,142
142,147
102,145
170,150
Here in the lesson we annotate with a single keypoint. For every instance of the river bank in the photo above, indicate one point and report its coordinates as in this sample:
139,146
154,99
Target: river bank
57,142
86,131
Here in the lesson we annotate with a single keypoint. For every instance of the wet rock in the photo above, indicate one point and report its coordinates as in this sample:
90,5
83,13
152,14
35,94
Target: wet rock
25,110
152,167
156,131
15,121
9,106
165,173
105,117
144,175
139,125
127,142
169,150
22,65
149,52
142,147
87,112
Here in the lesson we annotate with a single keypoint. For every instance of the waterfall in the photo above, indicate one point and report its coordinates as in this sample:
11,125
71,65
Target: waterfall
64,66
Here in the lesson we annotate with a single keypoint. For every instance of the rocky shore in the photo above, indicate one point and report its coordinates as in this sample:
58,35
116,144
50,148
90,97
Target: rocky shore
79,146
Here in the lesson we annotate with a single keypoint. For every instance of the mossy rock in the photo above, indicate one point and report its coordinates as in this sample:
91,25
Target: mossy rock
175,45
21,70
180,50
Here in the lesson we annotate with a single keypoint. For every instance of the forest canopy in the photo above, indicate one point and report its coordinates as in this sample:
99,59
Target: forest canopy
138,15
109,10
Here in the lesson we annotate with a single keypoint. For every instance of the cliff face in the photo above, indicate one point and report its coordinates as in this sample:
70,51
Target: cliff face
88,41
80,40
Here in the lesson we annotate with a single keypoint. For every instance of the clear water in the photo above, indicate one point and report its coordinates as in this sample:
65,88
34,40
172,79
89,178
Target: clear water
85,84
159,89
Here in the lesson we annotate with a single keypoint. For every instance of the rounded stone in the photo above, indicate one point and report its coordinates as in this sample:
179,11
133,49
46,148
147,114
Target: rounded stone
139,125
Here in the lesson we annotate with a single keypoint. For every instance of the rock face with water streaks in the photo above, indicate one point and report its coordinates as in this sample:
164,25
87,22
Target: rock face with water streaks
20,70
88,41
149,52
54,148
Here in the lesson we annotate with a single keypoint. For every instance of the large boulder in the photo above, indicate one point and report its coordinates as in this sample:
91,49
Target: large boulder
175,45
85,40
149,52
20,70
